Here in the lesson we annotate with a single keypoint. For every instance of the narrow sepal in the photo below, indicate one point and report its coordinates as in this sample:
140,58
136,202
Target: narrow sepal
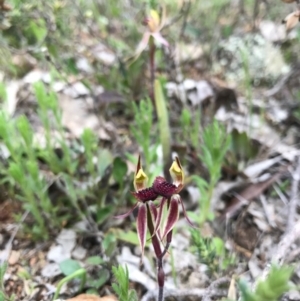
185,214
173,215
127,213
160,39
141,224
153,216
156,246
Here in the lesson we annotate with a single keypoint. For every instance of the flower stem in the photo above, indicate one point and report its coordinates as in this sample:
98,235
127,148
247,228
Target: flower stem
160,296
152,66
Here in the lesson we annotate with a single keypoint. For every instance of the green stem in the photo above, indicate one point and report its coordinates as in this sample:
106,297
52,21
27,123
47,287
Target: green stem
152,66
79,273
164,127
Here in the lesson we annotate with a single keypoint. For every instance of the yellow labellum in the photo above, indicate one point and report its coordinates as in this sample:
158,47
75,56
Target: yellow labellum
140,178
176,172
154,21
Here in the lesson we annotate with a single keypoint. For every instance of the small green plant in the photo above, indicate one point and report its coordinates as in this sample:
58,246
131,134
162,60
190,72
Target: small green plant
190,125
142,130
3,296
121,285
72,270
163,121
211,252
270,289
214,147
18,138
25,181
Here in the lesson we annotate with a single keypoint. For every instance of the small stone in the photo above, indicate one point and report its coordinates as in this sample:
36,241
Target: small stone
67,239
79,253
58,254
14,257
51,270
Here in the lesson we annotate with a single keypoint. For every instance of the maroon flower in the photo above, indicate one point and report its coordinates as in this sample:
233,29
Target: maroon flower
163,188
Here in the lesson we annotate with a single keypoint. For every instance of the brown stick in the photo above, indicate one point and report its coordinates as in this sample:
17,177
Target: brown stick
294,201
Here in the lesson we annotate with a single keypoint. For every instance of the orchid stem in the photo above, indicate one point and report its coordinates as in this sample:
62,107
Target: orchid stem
160,294
152,67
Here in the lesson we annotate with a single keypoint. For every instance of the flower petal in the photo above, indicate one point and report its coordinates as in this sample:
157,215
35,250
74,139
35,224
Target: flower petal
177,173
160,39
156,246
145,195
127,213
140,178
141,47
173,214
141,224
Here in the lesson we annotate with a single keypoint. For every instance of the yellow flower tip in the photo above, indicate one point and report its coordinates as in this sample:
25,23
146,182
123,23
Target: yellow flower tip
140,178
177,173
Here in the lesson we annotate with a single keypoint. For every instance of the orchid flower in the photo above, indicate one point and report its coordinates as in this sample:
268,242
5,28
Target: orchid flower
147,211
171,199
154,26
150,217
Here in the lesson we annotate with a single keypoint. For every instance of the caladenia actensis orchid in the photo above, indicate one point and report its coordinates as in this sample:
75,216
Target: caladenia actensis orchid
159,219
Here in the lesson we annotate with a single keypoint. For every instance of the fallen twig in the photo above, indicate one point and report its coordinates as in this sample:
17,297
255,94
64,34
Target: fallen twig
4,255
294,197
282,82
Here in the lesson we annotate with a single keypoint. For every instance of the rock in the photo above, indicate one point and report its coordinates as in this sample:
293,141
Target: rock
58,254
51,270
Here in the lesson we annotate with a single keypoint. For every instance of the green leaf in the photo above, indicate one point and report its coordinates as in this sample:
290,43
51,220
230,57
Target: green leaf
102,278
16,172
119,170
104,213
127,236
246,293
25,130
94,260
163,119
3,93
2,296
104,160
109,243
69,266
